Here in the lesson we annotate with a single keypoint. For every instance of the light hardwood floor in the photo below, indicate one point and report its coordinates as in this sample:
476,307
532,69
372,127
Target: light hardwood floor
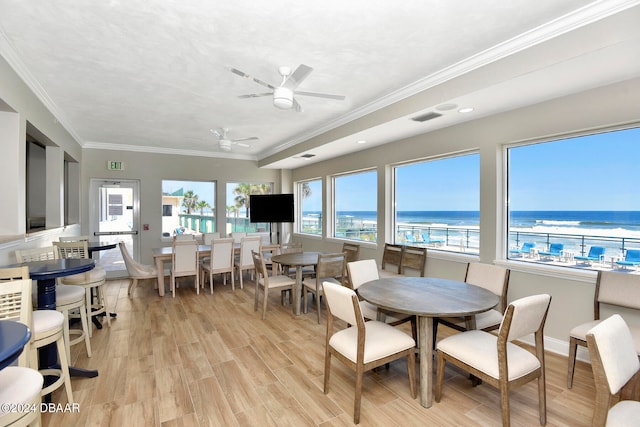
209,360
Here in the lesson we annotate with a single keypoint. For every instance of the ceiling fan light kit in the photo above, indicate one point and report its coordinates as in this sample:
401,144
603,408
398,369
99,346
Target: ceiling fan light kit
284,95
283,98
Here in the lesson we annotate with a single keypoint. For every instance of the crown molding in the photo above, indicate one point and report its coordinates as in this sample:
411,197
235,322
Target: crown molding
565,24
170,151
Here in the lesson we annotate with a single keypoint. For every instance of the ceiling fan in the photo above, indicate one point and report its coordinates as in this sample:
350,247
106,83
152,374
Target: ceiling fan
225,143
283,95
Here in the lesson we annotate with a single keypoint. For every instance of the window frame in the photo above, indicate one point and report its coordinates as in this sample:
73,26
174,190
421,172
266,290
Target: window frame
331,225
393,234
298,185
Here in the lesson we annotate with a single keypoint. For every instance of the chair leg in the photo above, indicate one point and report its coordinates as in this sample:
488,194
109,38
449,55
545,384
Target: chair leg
132,285
87,307
64,367
411,367
327,370
318,305
573,348
85,327
437,394
265,299
504,403
255,305
358,397
542,399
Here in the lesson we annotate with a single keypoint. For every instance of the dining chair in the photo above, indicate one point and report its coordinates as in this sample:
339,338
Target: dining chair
184,237
330,267
413,258
391,260
383,343
68,298
615,366
94,281
351,251
244,261
488,276
207,238
265,283
495,359
237,236
220,261
184,263
73,238
366,270
46,328
617,291
135,270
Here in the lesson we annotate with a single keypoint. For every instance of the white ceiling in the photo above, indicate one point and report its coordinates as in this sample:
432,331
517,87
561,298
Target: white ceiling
153,75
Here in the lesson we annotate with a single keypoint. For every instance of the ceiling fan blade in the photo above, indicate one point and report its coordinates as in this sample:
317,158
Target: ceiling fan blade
217,132
301,73
322,95
297,106
243,145
255,95
247,76
251,138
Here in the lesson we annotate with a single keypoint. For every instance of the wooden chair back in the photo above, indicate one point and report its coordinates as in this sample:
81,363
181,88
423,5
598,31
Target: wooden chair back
392,257
351,251
222,255
8,274
330,266
413,258
73,238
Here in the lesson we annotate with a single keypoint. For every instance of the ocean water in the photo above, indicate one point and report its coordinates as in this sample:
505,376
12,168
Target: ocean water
602,228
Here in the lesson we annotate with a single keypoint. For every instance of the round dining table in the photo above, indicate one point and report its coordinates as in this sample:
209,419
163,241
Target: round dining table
297,260
426,298
13,337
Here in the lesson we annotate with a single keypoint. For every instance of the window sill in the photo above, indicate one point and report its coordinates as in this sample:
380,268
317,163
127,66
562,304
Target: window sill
558,272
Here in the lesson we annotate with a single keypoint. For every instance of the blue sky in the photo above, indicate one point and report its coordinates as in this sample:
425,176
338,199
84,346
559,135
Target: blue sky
594,172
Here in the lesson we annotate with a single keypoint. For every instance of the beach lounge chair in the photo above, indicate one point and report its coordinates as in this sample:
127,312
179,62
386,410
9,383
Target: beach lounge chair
596,253
524,249
631,259
555,251
429,241
409,237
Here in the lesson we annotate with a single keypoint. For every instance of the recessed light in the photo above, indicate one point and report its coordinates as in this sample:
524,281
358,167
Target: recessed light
465,110
361,141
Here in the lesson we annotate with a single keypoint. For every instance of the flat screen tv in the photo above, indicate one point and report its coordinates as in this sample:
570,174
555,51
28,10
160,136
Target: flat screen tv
271,208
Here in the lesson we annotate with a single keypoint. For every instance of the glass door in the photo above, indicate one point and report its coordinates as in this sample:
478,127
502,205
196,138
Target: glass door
114,217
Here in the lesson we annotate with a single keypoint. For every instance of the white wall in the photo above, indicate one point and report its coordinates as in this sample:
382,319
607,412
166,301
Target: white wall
572,292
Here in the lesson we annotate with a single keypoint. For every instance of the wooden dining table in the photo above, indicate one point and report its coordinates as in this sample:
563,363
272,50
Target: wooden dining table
426,298
297,260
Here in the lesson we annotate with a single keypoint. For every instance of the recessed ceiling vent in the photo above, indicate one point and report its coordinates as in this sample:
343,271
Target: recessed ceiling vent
427,116
307,156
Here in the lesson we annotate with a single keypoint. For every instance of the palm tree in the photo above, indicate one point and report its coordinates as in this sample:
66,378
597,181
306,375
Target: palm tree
244,190
190,201
202,205
306,190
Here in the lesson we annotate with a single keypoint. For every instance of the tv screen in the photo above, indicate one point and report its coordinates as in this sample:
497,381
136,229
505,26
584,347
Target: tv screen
271,208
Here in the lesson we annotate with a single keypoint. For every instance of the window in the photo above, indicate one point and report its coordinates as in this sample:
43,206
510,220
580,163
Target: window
238,206
310,209
437,203
355,206
188,207
571,195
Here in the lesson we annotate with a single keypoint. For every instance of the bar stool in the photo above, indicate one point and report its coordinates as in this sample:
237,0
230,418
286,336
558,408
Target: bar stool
94,279
46,328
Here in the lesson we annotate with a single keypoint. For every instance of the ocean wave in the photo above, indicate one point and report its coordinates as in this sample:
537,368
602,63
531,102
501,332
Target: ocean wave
557,222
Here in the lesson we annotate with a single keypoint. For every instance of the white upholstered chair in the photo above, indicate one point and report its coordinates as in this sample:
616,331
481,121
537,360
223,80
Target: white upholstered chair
207,238
613,289
495,359
184,263
244,261
363,345
492,278
220,261
265,283
20,386
135,270
615,366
